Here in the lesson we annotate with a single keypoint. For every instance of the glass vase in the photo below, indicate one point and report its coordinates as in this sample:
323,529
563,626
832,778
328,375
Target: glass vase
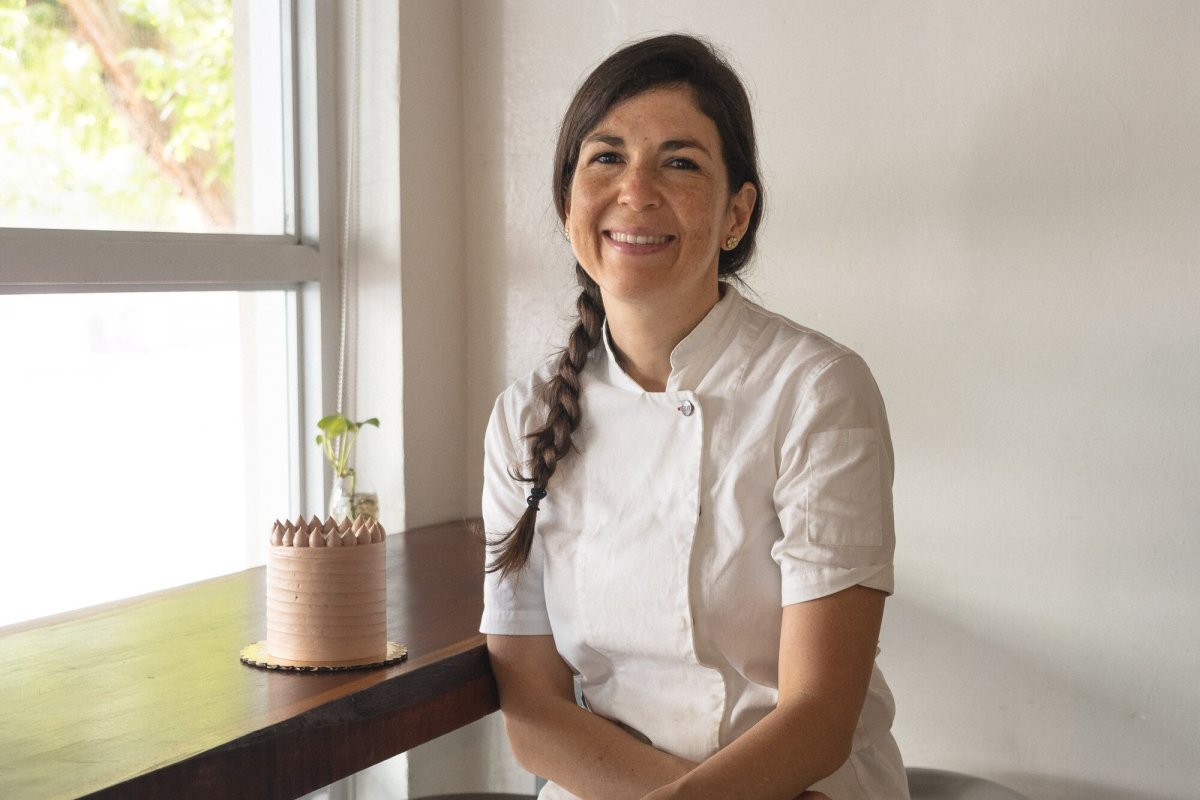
350,496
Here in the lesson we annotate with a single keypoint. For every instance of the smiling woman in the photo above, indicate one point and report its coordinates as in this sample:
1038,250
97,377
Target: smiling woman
690,507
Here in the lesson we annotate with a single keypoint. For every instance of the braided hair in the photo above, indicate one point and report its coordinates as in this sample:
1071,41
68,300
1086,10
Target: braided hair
671,60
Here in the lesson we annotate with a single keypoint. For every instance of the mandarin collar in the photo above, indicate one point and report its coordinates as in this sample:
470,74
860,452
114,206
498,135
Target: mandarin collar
692,358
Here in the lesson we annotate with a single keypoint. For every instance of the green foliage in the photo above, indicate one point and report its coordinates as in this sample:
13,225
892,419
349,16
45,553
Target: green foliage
61,120
188,75
337,437
54,75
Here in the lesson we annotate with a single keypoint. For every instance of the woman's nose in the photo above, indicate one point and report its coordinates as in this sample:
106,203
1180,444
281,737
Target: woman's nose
639,188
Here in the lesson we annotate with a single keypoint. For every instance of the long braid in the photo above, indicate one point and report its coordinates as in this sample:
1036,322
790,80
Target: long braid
551,443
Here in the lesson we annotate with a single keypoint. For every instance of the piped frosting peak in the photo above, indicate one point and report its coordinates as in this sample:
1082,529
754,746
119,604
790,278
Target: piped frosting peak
315,533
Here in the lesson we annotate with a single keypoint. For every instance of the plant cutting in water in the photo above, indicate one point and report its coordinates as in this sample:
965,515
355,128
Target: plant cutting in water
337,437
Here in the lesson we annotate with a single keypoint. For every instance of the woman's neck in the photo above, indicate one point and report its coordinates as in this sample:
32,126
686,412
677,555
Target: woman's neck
643,337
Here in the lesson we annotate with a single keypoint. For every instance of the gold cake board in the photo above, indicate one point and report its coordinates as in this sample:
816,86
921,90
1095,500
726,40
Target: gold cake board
256,655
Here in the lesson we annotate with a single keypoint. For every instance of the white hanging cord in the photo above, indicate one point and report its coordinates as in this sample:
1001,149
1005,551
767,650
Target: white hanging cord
347,273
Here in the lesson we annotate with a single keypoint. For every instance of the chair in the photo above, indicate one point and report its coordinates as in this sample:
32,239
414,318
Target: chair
939,784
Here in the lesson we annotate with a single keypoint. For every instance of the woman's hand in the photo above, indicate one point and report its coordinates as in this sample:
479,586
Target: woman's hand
552,736
826,654
827,649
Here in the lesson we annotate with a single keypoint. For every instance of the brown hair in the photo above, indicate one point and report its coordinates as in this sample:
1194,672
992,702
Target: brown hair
674,59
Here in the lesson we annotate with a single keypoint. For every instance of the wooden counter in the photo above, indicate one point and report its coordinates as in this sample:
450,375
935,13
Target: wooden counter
147,698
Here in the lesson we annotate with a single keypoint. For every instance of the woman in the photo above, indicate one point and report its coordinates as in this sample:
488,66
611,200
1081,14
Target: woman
690,507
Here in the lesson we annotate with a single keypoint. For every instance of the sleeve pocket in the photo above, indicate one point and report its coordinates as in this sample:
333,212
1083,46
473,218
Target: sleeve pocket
844,503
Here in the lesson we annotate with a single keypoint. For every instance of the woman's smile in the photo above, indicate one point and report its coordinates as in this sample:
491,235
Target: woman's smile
634,243
623,238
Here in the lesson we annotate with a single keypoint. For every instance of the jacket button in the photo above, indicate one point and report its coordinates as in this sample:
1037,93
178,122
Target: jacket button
687,408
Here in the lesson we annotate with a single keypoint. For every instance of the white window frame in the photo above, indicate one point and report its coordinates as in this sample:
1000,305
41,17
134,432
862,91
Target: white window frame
49,261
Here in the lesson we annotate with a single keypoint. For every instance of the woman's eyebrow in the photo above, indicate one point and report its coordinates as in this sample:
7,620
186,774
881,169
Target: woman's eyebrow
605,138
684,144
670,145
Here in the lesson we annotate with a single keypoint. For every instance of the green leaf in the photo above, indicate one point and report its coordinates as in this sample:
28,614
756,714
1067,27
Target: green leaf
338,436
334,425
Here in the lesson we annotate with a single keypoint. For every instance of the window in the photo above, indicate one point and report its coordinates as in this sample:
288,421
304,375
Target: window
156,363
143,438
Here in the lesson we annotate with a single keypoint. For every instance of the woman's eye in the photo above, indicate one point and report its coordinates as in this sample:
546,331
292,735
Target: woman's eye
607,158
682,163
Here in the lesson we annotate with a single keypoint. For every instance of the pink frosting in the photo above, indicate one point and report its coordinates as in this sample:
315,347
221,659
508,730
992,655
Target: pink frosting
327,606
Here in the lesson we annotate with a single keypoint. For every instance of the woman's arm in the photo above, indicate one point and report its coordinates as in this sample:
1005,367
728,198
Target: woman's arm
826,653
553,737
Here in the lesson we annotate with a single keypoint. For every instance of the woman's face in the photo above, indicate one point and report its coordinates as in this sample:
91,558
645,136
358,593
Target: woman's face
650,205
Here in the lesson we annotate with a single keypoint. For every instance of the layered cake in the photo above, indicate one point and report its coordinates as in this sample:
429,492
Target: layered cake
327,593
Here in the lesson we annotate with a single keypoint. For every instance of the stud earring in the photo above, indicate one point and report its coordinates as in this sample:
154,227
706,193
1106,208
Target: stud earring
731,242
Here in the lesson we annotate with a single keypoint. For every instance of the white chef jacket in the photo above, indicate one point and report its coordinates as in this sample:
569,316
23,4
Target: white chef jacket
670,541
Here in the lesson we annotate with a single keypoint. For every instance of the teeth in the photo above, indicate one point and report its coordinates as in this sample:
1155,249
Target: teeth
631,239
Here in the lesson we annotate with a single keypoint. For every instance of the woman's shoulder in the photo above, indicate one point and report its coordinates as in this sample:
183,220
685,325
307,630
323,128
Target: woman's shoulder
810,376
526,386
521,400
779,346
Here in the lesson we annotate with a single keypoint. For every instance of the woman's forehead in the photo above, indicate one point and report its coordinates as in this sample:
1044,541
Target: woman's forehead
663,112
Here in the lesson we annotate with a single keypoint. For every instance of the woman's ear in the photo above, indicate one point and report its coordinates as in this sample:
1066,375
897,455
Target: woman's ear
741,206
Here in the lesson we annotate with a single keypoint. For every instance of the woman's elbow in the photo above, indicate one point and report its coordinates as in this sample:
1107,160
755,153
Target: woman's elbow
829,736
521,736
833,751
839,751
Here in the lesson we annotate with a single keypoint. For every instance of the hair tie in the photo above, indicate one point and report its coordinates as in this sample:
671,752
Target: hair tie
535,494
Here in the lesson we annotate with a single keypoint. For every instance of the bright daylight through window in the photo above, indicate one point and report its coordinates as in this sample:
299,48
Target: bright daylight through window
150,373
145,437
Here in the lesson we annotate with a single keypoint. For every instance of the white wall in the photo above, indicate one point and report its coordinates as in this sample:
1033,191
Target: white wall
408,253
996,204
410,327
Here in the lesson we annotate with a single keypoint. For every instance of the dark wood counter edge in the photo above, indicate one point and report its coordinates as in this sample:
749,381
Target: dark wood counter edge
437,693
339,738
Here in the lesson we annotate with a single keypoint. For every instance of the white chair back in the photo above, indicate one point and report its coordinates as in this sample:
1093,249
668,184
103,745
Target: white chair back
939,784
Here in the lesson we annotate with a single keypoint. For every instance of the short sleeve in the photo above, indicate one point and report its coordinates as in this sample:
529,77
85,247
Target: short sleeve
515,604
834,491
